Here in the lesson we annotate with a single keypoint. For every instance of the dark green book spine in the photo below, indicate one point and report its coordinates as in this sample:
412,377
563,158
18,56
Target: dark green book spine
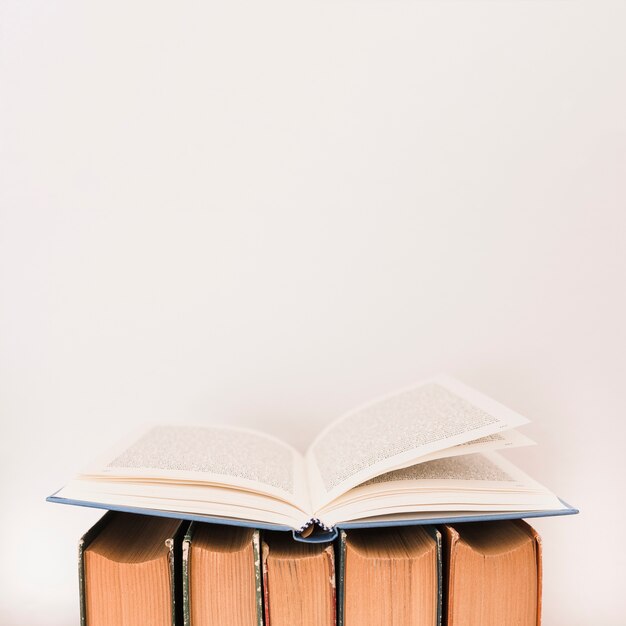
258,576
175,560
186,564
341,575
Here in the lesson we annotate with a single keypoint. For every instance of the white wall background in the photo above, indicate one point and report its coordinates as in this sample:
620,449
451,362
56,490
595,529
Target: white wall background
265,212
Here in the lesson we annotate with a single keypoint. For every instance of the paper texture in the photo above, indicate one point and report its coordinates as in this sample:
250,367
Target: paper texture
213,455
474,482
467,467
399,429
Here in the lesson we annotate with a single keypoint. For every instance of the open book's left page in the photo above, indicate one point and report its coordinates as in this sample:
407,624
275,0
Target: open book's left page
220,467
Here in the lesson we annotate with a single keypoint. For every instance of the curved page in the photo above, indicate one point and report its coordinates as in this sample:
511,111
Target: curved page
215,455
399,429
474,482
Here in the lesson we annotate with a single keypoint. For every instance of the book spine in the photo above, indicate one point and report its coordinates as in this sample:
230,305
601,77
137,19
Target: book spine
450,538
436,535
266,599
172,565
258,576
186,583
174,545
539,574
316,534
341,576
81,582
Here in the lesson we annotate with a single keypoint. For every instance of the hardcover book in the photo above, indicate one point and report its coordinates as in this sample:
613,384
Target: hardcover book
298,582
424,454
222,576
493,574
390,576
128,568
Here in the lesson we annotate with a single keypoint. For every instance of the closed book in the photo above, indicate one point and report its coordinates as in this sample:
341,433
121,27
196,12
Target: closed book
128,570
390,576
493,574
222,576
299,582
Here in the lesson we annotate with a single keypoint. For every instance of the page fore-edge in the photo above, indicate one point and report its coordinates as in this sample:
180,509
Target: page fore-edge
341,573
174,562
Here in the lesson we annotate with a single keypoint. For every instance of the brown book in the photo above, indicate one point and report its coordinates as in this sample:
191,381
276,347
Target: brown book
127,571
390,576
299,582
493,574
222,576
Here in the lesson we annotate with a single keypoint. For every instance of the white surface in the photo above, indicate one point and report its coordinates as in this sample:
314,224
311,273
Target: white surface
264,213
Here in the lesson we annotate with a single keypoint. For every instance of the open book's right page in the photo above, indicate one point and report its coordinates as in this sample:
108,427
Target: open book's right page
399,429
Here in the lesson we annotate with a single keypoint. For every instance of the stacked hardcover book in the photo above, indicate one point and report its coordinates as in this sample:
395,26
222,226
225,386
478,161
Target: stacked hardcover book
137,569
402,511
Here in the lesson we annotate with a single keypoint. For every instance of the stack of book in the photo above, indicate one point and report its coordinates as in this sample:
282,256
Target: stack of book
137,569
403,506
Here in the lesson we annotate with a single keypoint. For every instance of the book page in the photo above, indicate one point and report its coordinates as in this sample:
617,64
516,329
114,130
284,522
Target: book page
472,482
398,429
473,467
187,498
497,441
215,455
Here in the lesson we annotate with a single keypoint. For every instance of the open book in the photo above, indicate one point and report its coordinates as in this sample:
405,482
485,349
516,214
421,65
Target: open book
422,453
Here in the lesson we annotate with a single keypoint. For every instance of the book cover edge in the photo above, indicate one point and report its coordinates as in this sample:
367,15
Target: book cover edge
186,554
258,575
